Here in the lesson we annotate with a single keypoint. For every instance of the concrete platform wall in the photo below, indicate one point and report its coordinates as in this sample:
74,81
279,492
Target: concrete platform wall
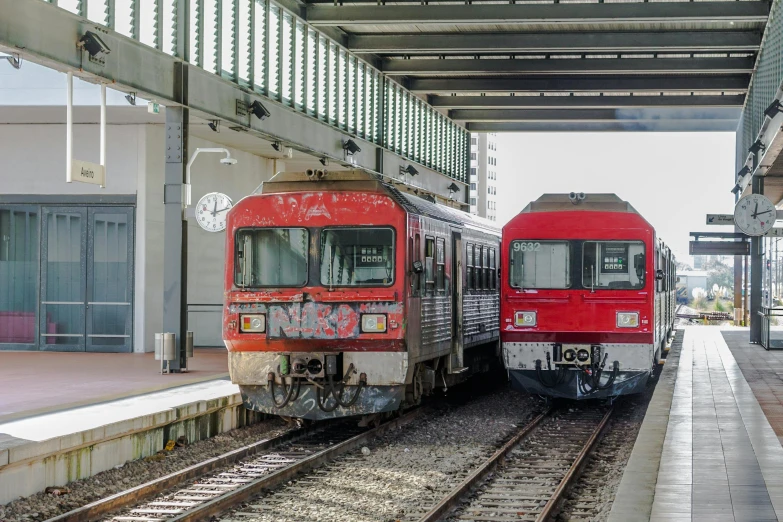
30,467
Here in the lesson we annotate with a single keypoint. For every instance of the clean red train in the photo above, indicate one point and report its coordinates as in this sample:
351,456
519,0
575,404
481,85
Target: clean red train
587,297
345,295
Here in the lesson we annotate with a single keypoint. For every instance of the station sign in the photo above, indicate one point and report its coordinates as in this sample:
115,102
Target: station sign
719,248
720,219
87,172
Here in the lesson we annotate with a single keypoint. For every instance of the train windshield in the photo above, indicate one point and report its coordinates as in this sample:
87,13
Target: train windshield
357,256
540,264
613,265
271,257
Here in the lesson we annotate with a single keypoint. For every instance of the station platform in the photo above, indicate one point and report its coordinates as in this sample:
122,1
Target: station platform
707,450
33,383
69,416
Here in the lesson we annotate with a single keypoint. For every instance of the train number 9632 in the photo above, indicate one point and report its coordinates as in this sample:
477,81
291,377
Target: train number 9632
520,246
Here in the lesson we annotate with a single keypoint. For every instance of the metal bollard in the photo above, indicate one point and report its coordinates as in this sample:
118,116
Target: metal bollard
169,349
188,349
189,345
158,346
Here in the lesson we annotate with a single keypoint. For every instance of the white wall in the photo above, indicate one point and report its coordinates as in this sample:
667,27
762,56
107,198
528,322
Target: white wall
33,159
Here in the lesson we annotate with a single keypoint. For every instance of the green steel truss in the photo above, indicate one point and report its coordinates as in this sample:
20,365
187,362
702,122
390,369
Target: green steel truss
765,83
259,45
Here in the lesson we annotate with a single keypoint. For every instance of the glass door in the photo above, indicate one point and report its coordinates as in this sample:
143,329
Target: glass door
63,281
19,277
109,279
86,279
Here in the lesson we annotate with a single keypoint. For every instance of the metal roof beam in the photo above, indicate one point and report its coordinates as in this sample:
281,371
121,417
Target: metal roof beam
152,74
499,42
737,83
565,14
426,66
624,114
532,102
609,126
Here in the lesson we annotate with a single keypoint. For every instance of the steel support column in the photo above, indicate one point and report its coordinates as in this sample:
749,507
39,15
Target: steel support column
175,232
756,273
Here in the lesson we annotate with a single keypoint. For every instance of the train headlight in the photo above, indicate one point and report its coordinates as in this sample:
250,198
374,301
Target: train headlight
373,323
582,355
253,323
627,319
525,318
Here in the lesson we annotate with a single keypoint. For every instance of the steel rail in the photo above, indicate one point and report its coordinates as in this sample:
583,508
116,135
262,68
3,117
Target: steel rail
574,470
223,503
134,495
456,494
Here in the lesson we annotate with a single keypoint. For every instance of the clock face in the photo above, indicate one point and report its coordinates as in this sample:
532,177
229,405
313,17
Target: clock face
211,211
755,215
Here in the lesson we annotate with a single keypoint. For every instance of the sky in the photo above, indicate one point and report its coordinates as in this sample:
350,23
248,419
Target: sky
672,179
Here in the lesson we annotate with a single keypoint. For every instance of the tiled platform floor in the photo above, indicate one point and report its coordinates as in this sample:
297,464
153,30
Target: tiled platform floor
764,372
33,383
720,460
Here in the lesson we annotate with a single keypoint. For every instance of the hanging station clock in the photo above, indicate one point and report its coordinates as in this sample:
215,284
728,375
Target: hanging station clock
211,211
755,215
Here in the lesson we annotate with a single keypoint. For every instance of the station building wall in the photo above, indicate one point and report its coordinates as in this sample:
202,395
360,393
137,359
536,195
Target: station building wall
32,183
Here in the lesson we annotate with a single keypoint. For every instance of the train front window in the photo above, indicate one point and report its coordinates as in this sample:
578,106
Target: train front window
613,265
540,264
272,257
357,257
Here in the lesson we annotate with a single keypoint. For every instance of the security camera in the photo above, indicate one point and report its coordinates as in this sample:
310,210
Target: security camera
228,161
351,147
259,111
93,44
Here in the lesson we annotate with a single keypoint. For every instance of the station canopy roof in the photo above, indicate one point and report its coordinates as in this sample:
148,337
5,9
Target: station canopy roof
547,65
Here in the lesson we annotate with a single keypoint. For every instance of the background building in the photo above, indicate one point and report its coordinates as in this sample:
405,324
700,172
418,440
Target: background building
484,175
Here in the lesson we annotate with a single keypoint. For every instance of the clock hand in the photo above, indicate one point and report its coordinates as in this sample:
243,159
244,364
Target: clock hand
765,212
222,209
214,209
756,211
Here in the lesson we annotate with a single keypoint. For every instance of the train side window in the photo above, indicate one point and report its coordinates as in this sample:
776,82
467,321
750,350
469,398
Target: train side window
440,263
429,264
487,270
479,267
417,257
469,266
493,277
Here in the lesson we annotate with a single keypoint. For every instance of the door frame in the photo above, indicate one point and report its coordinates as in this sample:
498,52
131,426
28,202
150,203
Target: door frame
36,247
46,213
129,212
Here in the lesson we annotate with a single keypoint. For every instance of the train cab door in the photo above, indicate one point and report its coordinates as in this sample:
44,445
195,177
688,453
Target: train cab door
456,363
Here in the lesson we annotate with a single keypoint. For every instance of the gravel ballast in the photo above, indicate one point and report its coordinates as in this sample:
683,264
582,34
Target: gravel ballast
402,475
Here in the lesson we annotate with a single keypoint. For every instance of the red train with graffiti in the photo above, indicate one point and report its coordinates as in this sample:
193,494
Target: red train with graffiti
345,296
587,297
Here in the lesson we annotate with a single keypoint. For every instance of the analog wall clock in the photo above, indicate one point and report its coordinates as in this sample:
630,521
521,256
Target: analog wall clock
755,215
211,211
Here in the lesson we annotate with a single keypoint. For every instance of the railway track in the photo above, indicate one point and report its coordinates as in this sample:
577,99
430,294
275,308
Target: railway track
531,472
194,494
